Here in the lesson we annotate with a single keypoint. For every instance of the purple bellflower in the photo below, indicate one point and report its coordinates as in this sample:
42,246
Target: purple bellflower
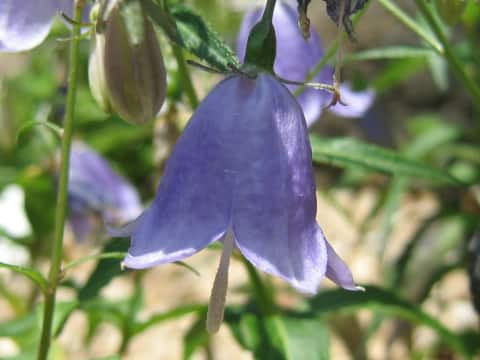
96,190
296,57
241,173
24,24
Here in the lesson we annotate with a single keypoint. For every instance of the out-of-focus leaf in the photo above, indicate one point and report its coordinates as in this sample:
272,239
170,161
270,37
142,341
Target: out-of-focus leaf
18,326
430,132
57,130
384,301
7,175
389,52
195,338
254,333
397,71
279,337
439,70
26,330
351,153
105,270
30,273
304,338
39,204
190,32
168,315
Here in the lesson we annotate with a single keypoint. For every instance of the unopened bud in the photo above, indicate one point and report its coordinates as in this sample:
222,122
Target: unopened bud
96,74
133,82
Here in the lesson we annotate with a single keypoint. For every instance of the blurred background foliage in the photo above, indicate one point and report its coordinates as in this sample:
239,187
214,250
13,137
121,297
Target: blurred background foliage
429,163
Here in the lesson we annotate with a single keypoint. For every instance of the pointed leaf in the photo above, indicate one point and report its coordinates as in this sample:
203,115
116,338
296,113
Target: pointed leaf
351,153
390,52
189,31
30,273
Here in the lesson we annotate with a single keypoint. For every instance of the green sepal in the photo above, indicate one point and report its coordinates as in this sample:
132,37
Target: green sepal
261,45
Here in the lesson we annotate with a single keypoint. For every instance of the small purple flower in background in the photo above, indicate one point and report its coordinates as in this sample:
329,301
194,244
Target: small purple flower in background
94,188
296,57
241,172
24,24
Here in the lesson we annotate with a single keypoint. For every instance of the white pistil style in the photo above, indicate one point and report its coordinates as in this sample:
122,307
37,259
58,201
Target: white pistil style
218,295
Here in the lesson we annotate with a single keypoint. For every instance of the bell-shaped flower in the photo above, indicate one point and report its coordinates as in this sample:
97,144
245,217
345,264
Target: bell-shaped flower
241,172
24,24
297,57
96,191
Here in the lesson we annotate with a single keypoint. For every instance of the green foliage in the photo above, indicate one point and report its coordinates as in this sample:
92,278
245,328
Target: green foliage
188,30
382,300
434,152
351,153
30,273
279,336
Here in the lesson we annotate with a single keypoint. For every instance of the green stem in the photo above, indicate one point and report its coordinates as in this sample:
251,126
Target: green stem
406,20
449,54
185,76
61,209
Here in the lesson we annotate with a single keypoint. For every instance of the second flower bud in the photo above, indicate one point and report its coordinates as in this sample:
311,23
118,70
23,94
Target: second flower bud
126,69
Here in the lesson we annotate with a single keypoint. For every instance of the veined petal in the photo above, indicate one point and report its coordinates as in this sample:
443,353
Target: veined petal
274,203
356,103
194,200
24,24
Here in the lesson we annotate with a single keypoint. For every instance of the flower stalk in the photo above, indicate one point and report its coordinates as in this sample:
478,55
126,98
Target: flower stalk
62,200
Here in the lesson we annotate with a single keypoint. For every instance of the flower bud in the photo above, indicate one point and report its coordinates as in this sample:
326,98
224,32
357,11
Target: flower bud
96,74
451,10
135,75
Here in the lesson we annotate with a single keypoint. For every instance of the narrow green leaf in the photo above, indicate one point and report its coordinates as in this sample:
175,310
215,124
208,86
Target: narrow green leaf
381,300
107,255
30,124
26,329
351,153
106,269
30,273
198,38
189,31
195,338
397,71
390,52
168,315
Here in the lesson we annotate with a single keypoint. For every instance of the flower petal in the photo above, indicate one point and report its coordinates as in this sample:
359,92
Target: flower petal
274,203
24,24
193,203
357,103
338,271
94,186
82,225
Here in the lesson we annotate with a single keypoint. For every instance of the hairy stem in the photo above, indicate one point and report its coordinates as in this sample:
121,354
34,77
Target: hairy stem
61,208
